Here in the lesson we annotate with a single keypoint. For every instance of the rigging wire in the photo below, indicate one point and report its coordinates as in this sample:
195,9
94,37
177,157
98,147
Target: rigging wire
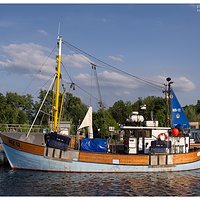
100,102
37,91
151,83
39,70
46,113
67,72
86,92
73,84
91,83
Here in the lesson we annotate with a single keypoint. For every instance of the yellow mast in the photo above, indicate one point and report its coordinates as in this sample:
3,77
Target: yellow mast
61,105
57,86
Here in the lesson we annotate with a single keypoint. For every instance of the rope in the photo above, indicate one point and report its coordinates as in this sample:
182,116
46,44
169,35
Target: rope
151,83
39,70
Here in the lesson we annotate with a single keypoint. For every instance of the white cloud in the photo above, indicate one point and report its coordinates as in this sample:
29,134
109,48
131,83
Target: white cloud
117,80
26,58
116,83
85,79
184,84
119,58
181,83
32,59
76,60
121,85
42,32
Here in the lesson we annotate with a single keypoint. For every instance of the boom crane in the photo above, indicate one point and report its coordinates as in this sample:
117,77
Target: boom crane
98,87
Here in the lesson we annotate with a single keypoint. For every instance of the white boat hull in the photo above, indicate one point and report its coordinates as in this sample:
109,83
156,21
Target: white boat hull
23,160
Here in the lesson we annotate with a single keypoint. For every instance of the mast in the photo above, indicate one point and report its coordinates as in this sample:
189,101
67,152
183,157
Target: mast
57,86
168,97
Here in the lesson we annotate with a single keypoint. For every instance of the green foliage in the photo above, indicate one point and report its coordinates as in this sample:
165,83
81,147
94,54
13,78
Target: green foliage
155,107
197,107
20,109
102,120
120,111
191,113
15,108
44,116
3,106
73,109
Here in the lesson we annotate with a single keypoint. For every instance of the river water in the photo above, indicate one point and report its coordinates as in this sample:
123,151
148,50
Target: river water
34,183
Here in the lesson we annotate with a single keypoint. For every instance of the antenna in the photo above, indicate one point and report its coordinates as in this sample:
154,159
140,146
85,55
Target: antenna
59,29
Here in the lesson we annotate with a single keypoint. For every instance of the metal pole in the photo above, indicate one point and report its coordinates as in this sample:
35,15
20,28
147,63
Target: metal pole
169,101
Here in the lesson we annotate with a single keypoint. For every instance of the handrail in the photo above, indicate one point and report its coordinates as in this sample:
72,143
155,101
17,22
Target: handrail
20,128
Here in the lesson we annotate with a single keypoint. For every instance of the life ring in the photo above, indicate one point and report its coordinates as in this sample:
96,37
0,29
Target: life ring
162,136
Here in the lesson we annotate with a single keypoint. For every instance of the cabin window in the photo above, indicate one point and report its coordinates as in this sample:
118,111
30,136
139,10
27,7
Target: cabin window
138,133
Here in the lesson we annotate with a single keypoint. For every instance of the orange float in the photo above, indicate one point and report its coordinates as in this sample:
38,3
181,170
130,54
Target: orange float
175,132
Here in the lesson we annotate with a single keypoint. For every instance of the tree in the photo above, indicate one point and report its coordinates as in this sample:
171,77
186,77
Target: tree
155,106
197,107
46,111
18,108
102,120
15,108
28,107
3,105
137,105
190,112
120,111
74,109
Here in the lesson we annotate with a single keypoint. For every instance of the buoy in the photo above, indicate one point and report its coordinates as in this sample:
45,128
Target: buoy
162,137
175,132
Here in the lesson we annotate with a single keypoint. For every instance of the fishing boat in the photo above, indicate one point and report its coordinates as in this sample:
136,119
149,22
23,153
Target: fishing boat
147,148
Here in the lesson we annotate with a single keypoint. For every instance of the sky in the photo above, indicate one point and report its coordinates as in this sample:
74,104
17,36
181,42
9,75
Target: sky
148,41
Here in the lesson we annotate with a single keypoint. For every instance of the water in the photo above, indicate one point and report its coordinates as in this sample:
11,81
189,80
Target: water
33,183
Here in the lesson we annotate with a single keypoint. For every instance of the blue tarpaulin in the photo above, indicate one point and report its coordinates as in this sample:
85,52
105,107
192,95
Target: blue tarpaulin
94,145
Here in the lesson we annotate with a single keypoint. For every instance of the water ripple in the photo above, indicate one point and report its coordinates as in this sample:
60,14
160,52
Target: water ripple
31,183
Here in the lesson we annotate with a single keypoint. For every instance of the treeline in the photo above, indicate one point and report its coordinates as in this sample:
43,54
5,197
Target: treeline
21,109
193,112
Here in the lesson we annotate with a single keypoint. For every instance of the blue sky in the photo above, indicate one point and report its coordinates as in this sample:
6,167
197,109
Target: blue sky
150,41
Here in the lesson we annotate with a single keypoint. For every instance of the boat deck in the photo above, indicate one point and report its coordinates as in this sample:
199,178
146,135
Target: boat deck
194,146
